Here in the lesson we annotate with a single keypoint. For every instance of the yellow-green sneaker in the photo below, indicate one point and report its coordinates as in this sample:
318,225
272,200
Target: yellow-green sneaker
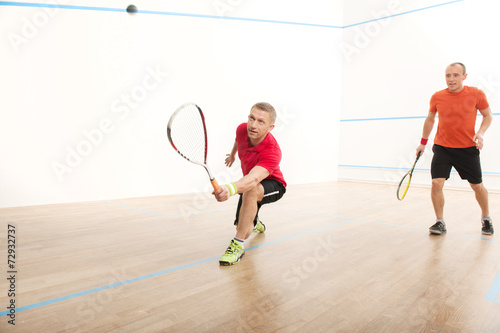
233,254
259,227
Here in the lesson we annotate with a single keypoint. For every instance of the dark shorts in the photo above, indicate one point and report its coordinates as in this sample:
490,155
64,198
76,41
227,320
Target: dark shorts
465,160
273,191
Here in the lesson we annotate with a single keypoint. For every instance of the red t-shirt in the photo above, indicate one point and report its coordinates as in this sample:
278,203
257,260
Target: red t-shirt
266,154
457,116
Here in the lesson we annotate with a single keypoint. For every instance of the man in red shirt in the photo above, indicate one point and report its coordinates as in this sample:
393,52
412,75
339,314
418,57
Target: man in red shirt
262,180
456,143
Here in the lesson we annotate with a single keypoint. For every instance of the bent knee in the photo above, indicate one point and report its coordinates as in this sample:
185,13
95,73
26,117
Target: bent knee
256,193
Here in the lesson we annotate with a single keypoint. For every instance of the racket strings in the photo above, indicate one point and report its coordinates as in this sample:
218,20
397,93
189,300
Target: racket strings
188,134
404,185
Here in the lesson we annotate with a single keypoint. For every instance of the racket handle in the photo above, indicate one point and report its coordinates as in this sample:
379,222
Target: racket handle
215,185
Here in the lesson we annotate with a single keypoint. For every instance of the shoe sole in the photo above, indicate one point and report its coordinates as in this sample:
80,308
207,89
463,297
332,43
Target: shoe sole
487,233
437,232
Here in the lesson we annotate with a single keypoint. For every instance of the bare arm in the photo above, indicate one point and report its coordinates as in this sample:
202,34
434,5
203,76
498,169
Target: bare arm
485,124
248,182
254,177
426,132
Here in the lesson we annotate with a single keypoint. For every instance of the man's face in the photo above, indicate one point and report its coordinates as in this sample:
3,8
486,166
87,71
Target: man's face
259,124
455,77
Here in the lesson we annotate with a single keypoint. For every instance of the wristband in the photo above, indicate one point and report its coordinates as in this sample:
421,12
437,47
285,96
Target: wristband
424,141
232,189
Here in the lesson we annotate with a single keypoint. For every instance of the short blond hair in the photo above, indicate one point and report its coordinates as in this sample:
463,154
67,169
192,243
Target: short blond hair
268,108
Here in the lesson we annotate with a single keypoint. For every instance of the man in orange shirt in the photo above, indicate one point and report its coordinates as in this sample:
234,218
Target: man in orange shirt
456,143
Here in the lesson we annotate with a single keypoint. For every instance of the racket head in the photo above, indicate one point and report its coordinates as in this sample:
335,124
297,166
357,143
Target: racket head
404,185
187,133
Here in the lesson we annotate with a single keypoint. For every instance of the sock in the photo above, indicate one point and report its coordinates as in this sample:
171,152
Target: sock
440,220
241,241
486,218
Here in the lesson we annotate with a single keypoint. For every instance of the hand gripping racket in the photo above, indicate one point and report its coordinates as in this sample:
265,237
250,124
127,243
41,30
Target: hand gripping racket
187,133
404,184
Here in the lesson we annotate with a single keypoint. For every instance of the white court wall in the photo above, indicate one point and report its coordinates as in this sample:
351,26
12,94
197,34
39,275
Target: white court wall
88,90
392,67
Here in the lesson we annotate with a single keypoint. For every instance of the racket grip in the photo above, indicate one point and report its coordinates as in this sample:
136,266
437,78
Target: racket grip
215,185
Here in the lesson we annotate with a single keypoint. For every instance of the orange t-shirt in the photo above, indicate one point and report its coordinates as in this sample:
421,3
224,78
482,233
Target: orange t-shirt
457,116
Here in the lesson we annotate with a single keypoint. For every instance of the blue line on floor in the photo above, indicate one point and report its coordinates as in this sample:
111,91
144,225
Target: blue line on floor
113,285
491,296
140,278
494,290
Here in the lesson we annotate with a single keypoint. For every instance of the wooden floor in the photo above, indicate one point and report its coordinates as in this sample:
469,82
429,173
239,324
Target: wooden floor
336,257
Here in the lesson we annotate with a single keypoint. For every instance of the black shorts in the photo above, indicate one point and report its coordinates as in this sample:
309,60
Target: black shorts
465,160
273,191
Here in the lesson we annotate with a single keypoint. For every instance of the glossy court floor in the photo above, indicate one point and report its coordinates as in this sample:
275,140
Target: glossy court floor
336,257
